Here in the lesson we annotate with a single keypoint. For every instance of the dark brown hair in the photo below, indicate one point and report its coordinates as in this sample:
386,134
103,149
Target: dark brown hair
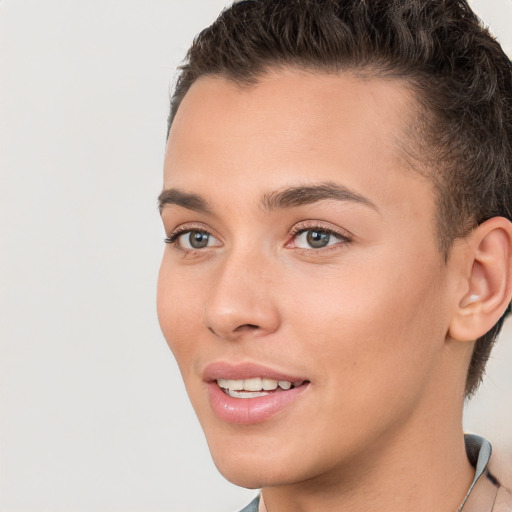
460,76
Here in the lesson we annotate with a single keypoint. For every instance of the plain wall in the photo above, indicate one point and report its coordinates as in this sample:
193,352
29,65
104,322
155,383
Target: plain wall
93,414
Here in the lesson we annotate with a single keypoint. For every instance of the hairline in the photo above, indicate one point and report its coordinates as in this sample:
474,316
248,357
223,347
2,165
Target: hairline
413,149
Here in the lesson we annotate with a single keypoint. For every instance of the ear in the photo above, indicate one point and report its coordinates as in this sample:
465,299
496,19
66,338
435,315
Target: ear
487,280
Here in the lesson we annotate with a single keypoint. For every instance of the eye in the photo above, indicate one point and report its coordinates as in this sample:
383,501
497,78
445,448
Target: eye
316,237
192,239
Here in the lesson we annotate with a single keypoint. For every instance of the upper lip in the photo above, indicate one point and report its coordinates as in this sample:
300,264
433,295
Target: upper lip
225,370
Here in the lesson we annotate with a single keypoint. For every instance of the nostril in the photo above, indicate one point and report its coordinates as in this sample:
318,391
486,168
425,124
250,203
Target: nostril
241,329
246,327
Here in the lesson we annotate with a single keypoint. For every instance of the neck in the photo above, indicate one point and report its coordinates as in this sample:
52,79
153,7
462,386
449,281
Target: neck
418,468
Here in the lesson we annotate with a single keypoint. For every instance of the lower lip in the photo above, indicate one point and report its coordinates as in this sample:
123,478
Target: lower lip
251,410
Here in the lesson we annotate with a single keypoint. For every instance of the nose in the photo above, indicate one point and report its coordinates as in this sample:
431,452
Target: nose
242,302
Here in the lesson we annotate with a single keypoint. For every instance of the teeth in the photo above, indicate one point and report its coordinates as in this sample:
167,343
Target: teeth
269,384
254,384
231,384
245,394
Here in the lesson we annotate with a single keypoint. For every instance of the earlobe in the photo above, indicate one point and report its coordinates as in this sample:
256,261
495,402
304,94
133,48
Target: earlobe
488,280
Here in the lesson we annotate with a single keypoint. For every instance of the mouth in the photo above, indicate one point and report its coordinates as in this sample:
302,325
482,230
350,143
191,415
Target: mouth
255,387
249,393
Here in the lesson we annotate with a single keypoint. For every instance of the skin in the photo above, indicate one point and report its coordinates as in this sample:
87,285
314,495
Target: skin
366,318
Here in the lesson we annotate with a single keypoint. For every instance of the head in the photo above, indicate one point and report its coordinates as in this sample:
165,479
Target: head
460,77
336,195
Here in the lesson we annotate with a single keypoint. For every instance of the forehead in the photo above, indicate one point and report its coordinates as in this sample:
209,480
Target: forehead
322,97
294,127
298,106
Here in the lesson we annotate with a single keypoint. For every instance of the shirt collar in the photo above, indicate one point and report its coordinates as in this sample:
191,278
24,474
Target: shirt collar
484,488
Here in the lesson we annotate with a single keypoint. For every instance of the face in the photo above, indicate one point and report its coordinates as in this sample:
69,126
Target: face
301,290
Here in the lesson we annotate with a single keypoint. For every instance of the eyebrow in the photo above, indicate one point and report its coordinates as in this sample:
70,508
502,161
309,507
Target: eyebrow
184,199
290,197
293,197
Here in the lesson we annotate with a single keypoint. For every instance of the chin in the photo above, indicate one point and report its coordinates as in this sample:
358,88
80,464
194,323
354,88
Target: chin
243,478
255,461
246,473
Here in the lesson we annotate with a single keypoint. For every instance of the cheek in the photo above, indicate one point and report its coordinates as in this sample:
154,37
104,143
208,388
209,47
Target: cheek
368,335
179,313
373,324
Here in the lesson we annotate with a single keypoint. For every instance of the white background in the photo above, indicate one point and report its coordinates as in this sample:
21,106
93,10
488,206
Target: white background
93,414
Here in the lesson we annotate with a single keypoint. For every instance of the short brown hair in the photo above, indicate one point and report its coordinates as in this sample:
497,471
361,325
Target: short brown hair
460,75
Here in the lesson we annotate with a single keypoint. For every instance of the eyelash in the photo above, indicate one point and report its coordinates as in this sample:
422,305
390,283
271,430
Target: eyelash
296,231
301,228
173,237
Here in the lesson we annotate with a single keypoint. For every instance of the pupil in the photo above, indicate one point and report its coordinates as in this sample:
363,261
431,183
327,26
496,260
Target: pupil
317,239
198,240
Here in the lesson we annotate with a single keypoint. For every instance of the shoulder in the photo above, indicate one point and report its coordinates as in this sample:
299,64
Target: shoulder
253,506
491,487
501,469
503,501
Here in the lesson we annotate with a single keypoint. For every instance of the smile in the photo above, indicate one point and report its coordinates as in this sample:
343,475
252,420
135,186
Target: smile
255,387
250,393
